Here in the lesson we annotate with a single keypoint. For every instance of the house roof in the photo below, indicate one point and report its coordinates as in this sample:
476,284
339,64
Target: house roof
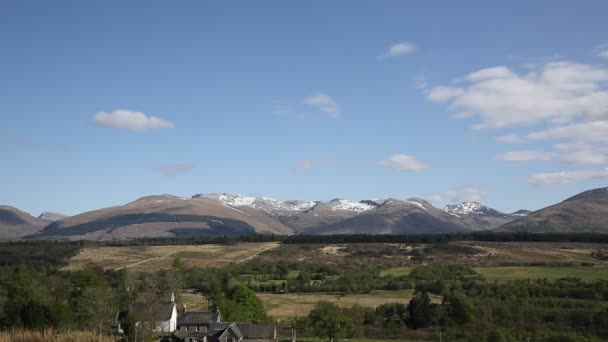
142,312
218,329
198,317
257,331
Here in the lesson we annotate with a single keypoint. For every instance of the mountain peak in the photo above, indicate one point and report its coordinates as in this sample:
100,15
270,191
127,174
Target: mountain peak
599,194
50,216
466,208
348,205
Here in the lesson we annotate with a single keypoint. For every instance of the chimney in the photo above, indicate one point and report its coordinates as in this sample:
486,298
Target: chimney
184,308
172,297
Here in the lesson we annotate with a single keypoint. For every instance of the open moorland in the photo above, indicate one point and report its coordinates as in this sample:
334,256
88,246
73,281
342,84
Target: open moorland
154,258
468,253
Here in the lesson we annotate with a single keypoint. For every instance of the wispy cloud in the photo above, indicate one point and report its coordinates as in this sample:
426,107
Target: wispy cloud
603,53
324,103
469,193
526,155
403,162
310,164
130,120
172,170
398,50
569,100
510,139
562,177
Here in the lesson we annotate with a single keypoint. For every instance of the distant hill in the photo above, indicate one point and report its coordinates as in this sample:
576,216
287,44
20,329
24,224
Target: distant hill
230,214
15,224
585,212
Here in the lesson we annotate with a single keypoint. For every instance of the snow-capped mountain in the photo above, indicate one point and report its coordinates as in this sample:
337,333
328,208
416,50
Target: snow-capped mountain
276,206
226,213
348,205
521,213
49,216
471,208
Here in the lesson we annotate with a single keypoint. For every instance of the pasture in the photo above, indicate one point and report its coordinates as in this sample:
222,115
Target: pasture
285,306
154,258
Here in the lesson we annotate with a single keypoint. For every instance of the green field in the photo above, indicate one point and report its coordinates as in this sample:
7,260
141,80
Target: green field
514,273
504,273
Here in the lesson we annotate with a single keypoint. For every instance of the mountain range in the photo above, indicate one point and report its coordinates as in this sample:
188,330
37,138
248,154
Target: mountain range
224,214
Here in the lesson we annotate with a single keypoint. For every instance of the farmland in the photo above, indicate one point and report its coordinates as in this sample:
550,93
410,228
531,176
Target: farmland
285,306
153,258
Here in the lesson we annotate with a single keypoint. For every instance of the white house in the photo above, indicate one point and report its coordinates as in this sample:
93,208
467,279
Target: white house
161,316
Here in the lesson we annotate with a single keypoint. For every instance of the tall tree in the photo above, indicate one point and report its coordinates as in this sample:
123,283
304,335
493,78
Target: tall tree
421,311
329,321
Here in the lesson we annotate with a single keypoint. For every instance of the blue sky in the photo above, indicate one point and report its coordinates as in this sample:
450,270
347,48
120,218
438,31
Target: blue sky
105,102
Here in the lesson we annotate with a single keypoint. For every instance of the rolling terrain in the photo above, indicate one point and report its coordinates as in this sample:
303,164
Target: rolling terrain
586,212
15,224
228,214
220,214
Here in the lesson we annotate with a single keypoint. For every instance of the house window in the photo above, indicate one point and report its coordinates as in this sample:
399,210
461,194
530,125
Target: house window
230,339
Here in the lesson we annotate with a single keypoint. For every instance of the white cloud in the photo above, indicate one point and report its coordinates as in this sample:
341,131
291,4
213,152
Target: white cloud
557,92
471,193
324,103
585,131
130,120
171,170
581,157
398,50
403,162
499,72
510,139
603,53
526,155
563,177
441,94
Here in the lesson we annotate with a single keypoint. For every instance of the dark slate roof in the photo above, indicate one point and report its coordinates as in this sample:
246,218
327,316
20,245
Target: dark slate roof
217,329
256,331
197,317
142,312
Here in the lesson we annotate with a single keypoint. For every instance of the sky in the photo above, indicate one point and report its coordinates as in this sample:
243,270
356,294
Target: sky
104,102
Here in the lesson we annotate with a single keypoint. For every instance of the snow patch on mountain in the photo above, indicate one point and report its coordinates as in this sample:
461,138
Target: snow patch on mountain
348,205
465,208
419,205
51,216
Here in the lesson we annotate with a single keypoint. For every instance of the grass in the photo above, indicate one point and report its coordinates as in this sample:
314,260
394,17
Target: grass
51,336
153,258
285,306
515,273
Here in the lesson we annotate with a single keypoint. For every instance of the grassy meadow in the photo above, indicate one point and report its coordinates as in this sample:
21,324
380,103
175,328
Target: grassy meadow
285,306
